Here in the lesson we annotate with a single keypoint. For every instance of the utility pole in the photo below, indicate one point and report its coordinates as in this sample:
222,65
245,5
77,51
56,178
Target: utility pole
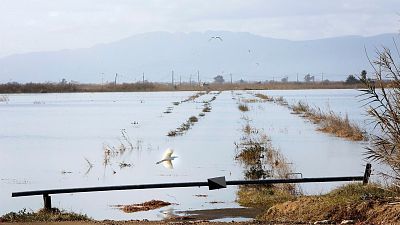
172,78
143,78
115,80
198,77
322,79
190,80
180,80
297,75
231,77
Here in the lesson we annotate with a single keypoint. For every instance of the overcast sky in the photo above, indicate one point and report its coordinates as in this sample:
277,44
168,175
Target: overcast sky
37,25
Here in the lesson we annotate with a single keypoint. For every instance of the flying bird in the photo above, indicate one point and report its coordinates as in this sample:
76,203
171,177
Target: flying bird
167,158
216,37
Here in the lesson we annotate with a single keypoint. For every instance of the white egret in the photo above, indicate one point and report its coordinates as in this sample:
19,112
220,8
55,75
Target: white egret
167,159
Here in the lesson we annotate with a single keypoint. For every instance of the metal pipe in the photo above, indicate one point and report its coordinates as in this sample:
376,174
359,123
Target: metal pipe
184,184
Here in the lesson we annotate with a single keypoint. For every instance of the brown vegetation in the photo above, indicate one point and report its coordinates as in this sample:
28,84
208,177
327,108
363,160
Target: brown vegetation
243,107
261,160
49,87
42,216
370,203
145,206
329,122
384,109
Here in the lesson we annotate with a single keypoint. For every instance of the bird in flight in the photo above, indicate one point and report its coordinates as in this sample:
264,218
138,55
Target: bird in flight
167,158
216,37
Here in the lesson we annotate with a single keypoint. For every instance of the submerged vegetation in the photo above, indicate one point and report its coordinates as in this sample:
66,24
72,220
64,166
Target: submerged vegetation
193,119
243,107
330,122
261,160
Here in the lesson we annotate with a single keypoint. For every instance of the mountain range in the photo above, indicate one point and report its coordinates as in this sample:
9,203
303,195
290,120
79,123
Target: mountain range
153,56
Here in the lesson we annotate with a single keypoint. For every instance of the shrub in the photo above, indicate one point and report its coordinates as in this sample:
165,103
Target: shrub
383,96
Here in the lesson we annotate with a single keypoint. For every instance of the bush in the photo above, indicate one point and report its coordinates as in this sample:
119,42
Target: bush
383,96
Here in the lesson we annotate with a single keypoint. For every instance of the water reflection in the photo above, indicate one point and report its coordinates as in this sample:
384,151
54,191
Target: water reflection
103,133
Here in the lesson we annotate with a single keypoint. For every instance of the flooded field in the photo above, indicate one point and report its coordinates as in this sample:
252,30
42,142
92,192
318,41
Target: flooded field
99,139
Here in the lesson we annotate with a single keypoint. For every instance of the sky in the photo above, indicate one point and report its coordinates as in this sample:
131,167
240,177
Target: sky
45,25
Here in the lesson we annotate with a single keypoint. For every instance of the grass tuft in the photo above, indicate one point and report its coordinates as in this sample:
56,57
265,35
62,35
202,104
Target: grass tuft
193,119
330,122
42,216
243,107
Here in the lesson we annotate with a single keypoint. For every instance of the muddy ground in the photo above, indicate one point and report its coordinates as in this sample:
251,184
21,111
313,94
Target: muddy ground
138,223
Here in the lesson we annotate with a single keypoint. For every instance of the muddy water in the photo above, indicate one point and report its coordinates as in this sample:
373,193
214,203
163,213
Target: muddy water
45,140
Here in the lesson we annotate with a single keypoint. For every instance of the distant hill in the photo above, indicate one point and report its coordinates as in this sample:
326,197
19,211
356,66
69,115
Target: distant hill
244,55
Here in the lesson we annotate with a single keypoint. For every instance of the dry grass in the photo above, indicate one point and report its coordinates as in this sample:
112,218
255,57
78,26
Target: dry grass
281,101
243,107
329,122
148,86
42,215
384,110
193,97
261,160
145,206
264,97
262,197
193,119
207,108
370,204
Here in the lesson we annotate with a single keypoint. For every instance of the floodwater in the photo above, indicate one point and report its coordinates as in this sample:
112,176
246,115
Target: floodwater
48,141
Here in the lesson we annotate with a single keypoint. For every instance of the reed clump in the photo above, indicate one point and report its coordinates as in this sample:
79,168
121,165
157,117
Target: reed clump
281,101
243,107
207,108
193,119
330,122
264,97
384,109
261,160
193,97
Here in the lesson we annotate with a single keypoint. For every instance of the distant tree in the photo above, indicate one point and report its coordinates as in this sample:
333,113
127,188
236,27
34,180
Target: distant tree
63,81
351,79
219,79
285,79
308,78
363,75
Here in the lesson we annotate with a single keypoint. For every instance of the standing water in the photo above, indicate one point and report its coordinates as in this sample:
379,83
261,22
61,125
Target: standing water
99,139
